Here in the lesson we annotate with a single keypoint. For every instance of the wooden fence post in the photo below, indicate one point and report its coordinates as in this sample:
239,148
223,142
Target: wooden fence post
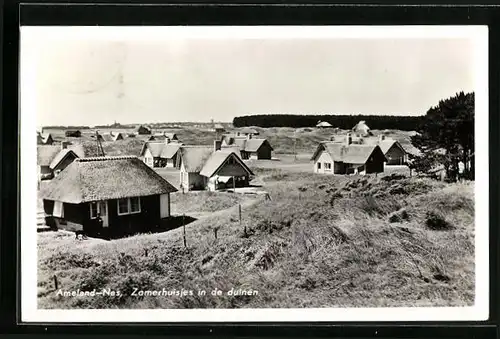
239,212
215,233
184,229
56,285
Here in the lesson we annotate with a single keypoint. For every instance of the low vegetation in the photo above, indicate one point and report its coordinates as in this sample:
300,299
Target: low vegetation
321,241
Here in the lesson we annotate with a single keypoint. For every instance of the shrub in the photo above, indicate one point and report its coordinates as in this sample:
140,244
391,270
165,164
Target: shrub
435,221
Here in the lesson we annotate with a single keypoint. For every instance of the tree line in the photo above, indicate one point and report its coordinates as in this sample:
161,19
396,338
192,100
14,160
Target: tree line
379,122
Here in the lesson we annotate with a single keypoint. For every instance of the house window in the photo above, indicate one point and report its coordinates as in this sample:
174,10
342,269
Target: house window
129,205
58,209
328,166
319,165
135,206
93,210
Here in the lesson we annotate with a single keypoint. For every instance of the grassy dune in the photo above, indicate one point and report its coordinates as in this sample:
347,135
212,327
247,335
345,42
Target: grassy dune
321,241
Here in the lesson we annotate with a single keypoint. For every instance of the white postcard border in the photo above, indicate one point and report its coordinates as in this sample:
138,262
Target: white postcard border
29,311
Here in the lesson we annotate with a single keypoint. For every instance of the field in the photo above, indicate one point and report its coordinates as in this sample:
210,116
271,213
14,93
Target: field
321,241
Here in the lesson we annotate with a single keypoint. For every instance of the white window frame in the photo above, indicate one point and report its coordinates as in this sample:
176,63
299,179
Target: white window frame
96,210
58,215
328,166
319,165
129,206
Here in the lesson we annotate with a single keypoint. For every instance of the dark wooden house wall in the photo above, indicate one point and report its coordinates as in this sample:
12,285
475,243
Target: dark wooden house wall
77,217
395,156
375,163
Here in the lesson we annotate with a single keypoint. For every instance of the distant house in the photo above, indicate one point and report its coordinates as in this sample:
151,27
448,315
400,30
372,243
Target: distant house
393,151
73,133
164,136
218,128
129,196
113,136
323,124
347,158
250,147
52,159
44,139
249,131
361,129
142,130
212,168
160,154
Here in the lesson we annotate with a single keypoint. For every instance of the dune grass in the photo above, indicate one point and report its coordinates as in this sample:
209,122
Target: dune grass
322,241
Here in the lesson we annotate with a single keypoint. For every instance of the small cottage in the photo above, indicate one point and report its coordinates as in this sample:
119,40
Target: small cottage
250,147
323,124
212,168
142,130
73,133
111,136
393,151
347,158
361,129
44,139
249,131
164,136
52,159
160,154
127,195
218,128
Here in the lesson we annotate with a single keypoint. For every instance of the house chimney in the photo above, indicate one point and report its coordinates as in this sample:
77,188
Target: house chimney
217,145
249,136
167,140
64,144
381,137
348,139
237,133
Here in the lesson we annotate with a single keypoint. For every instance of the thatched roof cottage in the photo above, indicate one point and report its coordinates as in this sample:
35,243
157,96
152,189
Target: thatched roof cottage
323,124
128,196
361,129
347,158
250,147
44,139
160,153
52,159
212,168
142,130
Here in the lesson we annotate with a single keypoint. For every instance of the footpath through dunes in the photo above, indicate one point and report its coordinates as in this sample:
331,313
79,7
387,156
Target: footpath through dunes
322,241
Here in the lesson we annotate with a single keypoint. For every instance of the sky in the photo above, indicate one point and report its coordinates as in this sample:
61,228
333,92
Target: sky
98,81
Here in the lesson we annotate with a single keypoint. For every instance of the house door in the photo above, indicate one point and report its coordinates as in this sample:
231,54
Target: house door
103,210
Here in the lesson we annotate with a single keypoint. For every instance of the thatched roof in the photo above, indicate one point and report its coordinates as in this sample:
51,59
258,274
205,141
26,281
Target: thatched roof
104,178
248,130
386,145
142,130
194,157
217,159
248,145
44,139
47,153
324,124
362,128
161,149
352,154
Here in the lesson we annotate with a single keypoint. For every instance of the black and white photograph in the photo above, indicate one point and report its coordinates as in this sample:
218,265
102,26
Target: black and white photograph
286,173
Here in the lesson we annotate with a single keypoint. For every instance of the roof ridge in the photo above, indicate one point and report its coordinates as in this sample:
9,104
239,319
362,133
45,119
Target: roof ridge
121,157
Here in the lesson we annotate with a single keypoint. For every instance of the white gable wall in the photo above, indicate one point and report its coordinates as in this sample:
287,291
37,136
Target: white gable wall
325,160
